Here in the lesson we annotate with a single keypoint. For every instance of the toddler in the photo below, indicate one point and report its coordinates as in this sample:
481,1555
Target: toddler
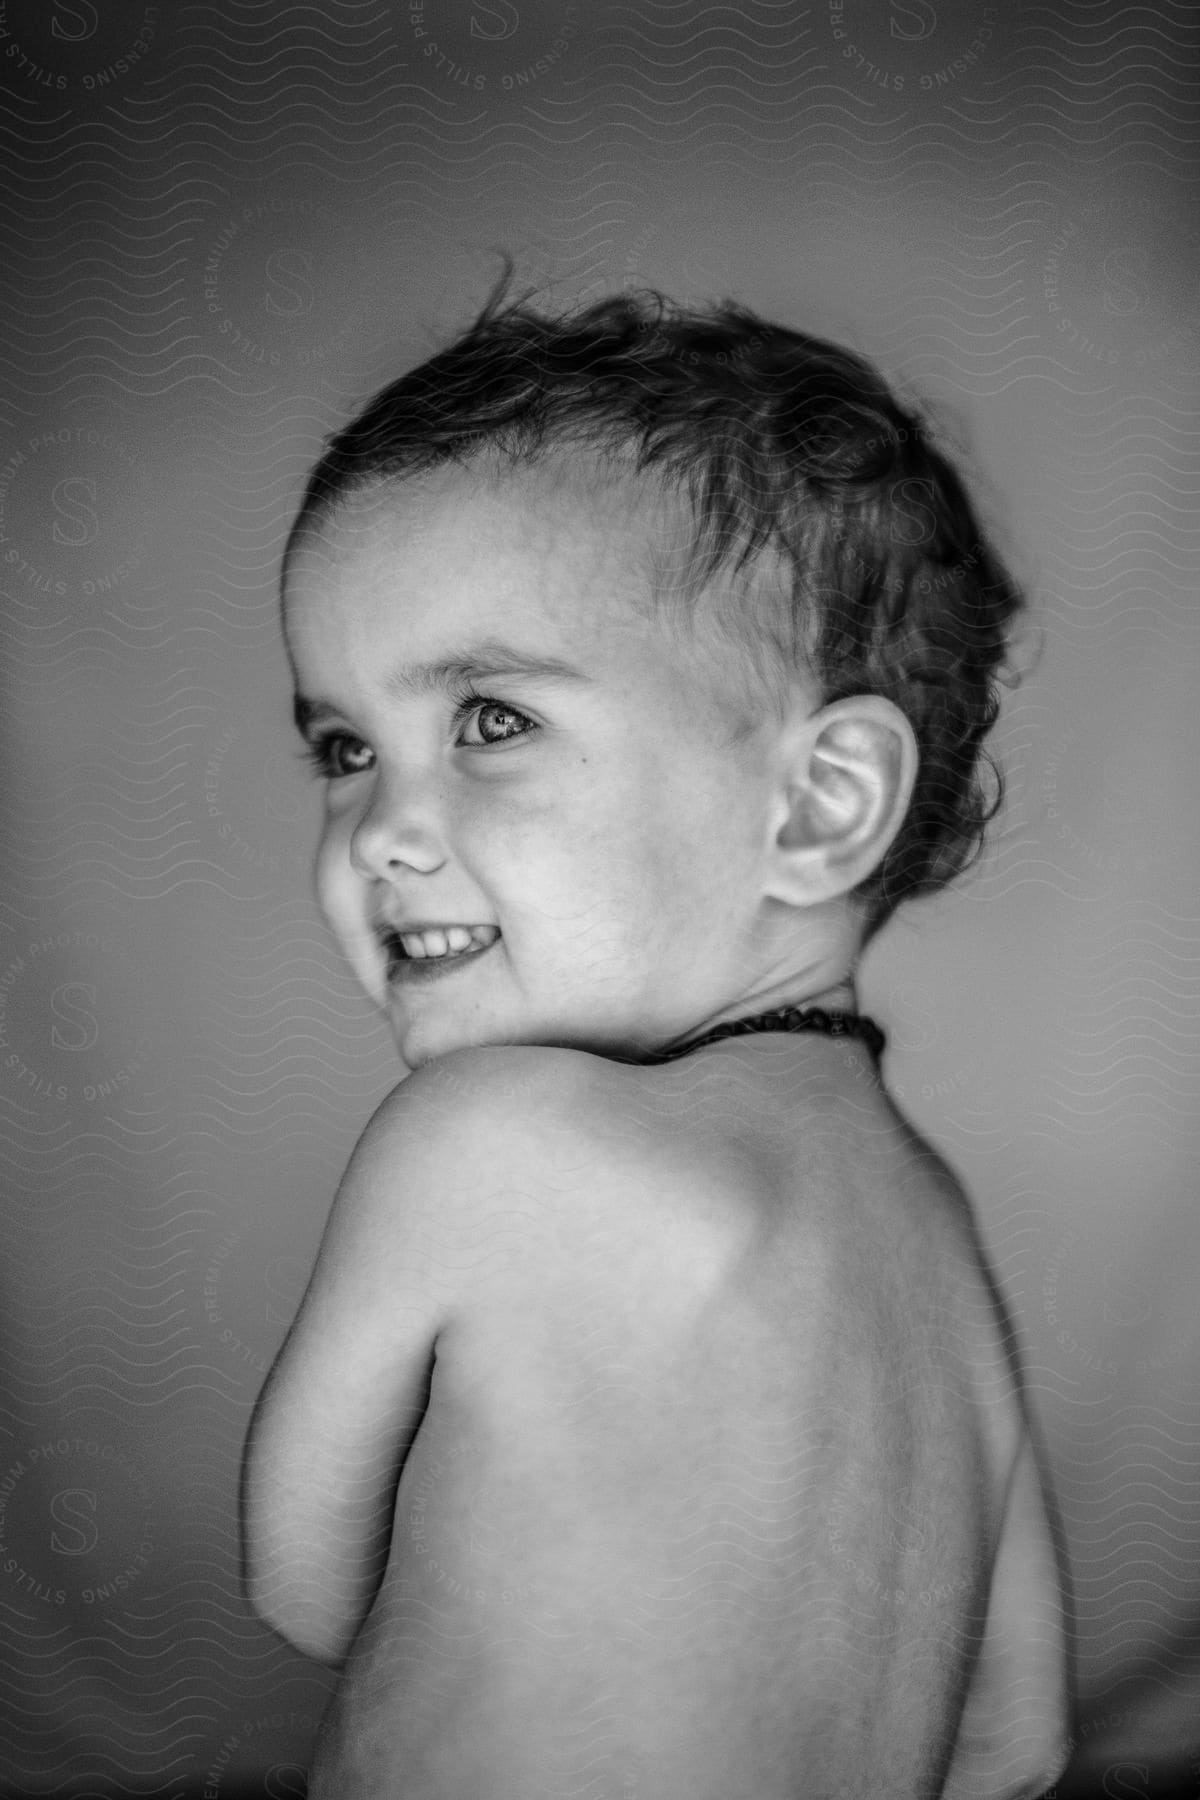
651,1427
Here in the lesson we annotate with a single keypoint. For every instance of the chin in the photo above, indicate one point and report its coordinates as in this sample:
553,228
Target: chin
418,1044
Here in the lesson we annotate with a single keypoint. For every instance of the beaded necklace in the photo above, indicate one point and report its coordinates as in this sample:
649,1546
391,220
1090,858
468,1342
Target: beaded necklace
788,1018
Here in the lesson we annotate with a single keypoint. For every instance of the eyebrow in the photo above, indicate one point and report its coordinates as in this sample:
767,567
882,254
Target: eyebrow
475,663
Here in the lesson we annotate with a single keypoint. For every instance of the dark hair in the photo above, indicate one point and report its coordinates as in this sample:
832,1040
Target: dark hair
782,443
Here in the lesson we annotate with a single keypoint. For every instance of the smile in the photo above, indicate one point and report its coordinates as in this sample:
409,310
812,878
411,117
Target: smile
447,940
418,955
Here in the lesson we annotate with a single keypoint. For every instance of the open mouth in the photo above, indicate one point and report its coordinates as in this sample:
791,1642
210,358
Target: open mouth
431,952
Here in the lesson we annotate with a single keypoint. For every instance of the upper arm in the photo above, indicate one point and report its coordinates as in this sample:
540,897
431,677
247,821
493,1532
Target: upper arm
349,1387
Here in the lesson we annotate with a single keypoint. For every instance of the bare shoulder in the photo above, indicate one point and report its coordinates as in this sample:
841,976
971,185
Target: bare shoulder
488,1171
473,1099
802,1216
566,1166
469,1123
514,1113
671,1158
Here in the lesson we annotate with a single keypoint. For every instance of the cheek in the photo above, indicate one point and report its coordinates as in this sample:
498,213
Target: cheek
572,876
336,883
696,855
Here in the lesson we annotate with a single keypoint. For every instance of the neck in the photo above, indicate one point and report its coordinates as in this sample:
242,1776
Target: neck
819,971
839,996
842,997
824,980
832,1021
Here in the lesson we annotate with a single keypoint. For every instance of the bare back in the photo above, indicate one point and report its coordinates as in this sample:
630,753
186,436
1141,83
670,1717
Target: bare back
709,1491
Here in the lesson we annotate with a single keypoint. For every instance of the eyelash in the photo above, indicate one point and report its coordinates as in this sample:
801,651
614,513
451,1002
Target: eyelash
319,754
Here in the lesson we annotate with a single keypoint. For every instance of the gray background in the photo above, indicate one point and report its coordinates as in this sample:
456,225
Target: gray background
224,226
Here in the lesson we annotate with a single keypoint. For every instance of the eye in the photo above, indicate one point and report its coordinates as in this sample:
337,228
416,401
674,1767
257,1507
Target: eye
506,722
328,757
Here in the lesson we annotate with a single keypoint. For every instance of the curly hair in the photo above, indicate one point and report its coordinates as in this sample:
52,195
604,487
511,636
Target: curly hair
792,452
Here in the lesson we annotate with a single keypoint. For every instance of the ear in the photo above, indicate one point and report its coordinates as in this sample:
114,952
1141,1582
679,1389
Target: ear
847,776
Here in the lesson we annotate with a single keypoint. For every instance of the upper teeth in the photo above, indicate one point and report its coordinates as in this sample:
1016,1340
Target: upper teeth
453,938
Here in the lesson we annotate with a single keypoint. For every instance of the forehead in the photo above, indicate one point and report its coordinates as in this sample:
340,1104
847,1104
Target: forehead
458,547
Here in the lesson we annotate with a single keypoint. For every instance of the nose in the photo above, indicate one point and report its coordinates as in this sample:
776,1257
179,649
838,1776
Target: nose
399,829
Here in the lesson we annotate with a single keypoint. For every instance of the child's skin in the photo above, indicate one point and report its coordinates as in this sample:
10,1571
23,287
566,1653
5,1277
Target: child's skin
709,1433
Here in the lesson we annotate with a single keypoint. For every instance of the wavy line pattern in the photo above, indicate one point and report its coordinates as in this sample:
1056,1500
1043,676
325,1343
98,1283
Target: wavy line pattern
227,221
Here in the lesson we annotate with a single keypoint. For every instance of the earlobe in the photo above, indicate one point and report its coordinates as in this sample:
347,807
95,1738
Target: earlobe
849,783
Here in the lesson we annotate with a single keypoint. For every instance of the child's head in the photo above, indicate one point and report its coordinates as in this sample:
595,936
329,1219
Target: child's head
780,630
